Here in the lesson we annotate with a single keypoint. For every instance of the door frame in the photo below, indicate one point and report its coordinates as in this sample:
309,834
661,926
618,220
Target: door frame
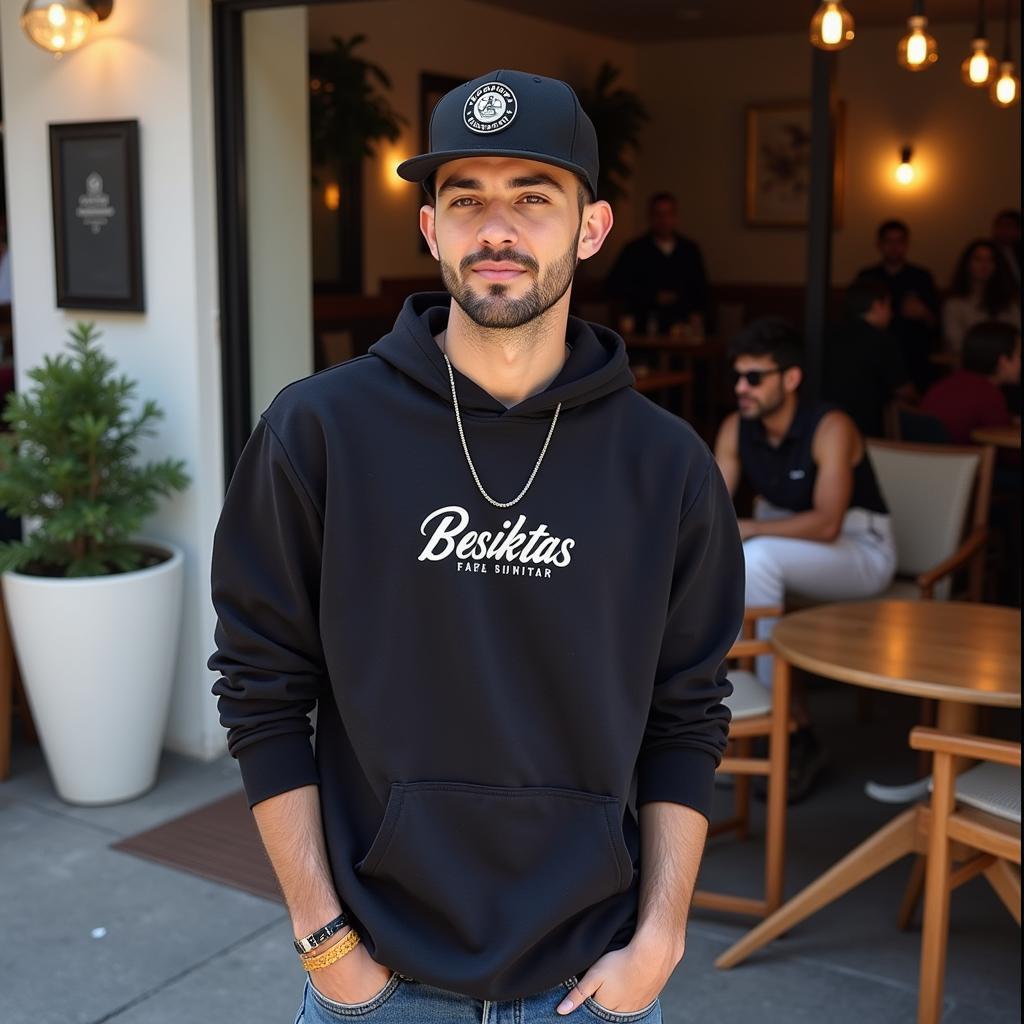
233,218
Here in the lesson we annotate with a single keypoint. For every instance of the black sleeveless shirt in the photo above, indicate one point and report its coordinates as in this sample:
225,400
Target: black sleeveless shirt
786,475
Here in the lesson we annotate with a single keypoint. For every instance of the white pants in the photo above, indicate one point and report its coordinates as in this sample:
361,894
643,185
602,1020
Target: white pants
859,563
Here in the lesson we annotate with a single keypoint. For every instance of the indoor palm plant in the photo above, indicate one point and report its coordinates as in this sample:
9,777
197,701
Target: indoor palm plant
94,609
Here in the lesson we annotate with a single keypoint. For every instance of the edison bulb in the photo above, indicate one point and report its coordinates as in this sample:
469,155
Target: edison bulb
917,49
832,26
978,68
1005,89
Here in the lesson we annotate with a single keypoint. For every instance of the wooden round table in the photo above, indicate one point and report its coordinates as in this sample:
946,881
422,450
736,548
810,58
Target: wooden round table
1001,437
960,654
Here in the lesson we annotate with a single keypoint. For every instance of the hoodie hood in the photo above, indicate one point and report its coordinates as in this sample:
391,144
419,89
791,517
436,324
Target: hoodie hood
597,365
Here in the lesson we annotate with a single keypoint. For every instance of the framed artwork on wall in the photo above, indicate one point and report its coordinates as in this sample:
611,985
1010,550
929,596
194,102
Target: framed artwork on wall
778,165
97,222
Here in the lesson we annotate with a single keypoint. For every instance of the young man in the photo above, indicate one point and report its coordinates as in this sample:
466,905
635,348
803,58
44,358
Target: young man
971,397
507,582
864,368
915,302
660,276
821,528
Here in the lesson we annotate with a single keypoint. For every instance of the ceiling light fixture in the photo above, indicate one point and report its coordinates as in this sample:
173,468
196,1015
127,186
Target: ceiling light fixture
917,49
832,26
979,66
1005,90
59,26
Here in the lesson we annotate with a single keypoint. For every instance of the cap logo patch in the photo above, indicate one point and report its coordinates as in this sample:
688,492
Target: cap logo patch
490,108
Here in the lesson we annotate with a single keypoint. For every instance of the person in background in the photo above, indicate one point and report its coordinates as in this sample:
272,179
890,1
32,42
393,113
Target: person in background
864,367
821,527
660,278
1006,235
982,289
915,302
971,397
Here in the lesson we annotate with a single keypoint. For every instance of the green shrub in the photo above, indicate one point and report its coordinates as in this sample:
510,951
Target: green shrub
68,461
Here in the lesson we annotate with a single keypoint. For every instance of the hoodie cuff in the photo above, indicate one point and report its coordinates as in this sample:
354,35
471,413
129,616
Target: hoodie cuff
276,765
680,775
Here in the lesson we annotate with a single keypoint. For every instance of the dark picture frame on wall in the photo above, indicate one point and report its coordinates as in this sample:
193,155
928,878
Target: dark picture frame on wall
97,221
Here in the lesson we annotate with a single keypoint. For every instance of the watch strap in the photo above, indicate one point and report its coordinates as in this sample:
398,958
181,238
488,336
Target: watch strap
310,942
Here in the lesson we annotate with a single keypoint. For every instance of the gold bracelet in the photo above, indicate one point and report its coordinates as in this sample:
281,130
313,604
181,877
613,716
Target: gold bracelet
314,961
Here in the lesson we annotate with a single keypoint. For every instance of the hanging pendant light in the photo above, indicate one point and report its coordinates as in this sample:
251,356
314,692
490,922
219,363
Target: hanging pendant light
917,50
832,26
979,66
59,26
1005,90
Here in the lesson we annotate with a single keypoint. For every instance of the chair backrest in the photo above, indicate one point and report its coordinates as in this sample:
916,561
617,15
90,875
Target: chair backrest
917,426
929,490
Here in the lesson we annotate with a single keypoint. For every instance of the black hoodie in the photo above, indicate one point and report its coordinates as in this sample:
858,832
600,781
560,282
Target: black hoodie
497,689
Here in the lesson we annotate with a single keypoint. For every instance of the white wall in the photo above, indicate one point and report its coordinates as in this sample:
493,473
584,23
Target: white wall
966,150
277,188
150,60
461,39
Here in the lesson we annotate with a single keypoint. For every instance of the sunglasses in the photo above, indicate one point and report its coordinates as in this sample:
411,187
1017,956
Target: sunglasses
753,377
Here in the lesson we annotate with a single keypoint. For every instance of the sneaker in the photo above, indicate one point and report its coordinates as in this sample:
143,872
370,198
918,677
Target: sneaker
807,759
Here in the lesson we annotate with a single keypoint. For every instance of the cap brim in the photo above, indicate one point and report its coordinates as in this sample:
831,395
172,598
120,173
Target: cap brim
419,168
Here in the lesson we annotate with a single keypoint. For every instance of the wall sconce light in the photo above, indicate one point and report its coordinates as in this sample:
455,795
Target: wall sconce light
979,66
59,26
917,50
332,196
1005,90
832,26
905,169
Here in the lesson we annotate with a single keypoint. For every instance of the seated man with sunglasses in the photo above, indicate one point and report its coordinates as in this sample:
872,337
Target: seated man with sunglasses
821,528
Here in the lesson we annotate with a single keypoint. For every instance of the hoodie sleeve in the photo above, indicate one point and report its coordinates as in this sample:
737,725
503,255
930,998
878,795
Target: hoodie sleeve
265,581
688,724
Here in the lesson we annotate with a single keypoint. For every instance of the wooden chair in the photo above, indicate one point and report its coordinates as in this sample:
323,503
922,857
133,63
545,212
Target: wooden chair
938,497
756,712
974,818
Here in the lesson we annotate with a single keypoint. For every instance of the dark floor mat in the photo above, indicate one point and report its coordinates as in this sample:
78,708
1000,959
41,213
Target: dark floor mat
219,841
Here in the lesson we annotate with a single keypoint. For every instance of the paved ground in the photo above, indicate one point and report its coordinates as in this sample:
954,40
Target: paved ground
176,949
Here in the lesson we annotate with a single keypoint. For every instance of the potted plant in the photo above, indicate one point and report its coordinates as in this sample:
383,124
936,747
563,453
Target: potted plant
618,114
94,609
347,116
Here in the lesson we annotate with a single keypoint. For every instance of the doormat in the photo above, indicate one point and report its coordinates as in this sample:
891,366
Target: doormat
219,841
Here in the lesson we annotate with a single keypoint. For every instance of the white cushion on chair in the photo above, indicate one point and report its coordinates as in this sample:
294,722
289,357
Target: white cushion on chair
749,698
994,788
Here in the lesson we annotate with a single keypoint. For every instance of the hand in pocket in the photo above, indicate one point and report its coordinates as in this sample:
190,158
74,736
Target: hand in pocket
355,978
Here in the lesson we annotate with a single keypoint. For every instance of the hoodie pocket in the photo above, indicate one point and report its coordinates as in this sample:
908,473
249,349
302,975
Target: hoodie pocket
499,862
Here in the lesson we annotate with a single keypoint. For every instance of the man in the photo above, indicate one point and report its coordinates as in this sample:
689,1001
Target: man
864,368
971,396
1006,235
507,582
915,302
660,277
821,528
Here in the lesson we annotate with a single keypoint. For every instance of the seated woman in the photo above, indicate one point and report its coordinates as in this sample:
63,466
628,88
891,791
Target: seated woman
982,289
971,397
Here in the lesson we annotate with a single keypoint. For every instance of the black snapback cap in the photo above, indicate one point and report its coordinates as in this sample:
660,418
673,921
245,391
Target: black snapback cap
509,113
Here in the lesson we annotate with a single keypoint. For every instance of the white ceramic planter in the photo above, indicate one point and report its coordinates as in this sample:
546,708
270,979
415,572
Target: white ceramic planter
97,656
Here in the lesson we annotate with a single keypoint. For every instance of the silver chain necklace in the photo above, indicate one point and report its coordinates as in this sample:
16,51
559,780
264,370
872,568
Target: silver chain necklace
465,447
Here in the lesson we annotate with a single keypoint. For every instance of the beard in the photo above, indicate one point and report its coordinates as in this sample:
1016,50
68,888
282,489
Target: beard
757,410
495,308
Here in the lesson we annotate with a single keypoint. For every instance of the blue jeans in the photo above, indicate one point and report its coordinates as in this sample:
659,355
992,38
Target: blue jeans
404,1000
